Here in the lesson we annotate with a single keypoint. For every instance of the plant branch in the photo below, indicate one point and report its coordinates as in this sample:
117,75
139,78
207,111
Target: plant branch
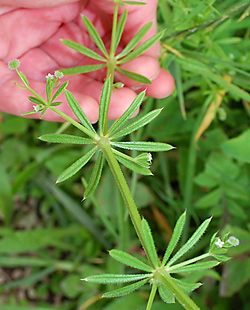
188,262
187,303
152,296
74,123
124,189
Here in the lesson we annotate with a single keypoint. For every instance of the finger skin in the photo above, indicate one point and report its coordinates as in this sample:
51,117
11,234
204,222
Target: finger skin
37,3
35,40
17,103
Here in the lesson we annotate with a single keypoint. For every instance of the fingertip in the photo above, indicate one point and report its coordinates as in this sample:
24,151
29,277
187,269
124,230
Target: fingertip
121,99
88,104
144,65
162,86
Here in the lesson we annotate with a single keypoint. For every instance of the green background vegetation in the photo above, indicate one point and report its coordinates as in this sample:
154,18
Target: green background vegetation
49,238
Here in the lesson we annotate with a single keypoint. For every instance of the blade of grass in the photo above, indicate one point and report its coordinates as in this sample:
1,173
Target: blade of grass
76,211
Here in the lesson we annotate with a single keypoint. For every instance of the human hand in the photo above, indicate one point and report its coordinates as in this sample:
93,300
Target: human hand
31,31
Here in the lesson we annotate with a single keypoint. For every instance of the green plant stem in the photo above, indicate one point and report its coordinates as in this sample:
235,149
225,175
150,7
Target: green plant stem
74,123
31,90
114,28
112,60
187,262
152,296
124,189
187,303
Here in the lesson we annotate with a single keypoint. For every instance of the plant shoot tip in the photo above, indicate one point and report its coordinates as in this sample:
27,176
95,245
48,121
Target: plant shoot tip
14,64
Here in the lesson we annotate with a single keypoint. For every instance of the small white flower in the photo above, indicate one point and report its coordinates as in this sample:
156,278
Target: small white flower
150,158
14,64
219,243
36,108
58,74
50,76
233,241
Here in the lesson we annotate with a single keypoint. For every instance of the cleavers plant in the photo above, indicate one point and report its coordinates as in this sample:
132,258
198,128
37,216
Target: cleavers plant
159,273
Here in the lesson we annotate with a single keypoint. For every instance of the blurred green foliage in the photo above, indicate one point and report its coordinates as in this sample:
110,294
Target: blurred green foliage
50,239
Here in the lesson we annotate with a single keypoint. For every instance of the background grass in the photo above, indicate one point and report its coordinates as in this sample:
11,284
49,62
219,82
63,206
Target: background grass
49,239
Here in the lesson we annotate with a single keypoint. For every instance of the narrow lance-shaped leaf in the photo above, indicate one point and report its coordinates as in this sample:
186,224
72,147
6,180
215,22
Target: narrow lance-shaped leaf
83,50
54,104
142,121
143,146
23,78
187,287
60,90
43,112
95,176
149,245
76,166
129,260
130,163
116,278
48,89
63,138
134,2
77,110
127,114
221,258
125,290
95,35
134,76
175,238
36,100
165,295
196,267
142,48
30,112
104,106
18,85
82,69
191,241
135,40
120,27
